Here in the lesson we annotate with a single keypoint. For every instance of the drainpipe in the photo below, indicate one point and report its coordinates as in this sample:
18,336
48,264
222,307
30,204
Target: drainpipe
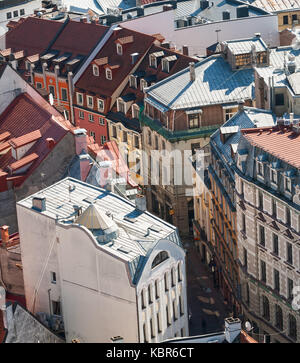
56,71
49,302
71,89
44,74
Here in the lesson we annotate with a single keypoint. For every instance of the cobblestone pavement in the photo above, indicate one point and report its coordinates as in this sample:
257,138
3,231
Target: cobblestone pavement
206,303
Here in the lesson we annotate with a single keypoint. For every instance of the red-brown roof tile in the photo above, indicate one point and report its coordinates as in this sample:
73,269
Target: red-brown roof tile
25,139
281,143
23,162
4,136
5,145
246,339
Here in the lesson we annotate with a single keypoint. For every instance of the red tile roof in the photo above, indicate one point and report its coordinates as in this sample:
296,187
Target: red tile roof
100,85
25,139
23,162
283,143
25,116
4,136
32,35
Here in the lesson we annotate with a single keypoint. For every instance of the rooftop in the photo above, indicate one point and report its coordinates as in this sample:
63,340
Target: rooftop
281,142
243,46
215,83
138,232
278,5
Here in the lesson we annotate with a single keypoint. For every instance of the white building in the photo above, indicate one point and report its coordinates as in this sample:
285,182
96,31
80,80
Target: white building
106,266
16,9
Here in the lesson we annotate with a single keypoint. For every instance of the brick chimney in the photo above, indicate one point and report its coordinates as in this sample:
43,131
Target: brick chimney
192,72
233,329
50,143
185,50
4,234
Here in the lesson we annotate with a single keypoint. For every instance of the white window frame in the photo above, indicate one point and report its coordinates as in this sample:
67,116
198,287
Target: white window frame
144,84
91,117
164,63
81,115
103,139
101,121
132,81
135,107
63,88
152,57
87,101
119,49
108,74
77,98
100,108
288,184
118,105
95,70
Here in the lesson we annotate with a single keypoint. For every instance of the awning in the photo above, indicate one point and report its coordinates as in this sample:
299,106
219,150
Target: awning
155,104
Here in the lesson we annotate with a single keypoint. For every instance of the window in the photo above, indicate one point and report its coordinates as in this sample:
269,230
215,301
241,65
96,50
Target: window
136,141
150,300
135,111
114,131
8,15
263,271
16,13
119,49
179,275
194,120
229,112
152,61
38,85
174,311
165,66
156,289
285,19
266,308
93,134
132,81
289,253
103,140
292,327
290,286
173,278
52,90
181,309
160,257
279,99
91,118
90,101
121,106
53,277
56,308
101,121
275,244
262,239
144,84
149,138
247,295
81,115
64,94
274,177
108,74
125,137
22,12
159,330
260,200
168,316
288,184
294,17
274,208
166,282
245,258
95,70
260,168
276,281
243,223
145,333
278,317
143,299
287,216
100,105
156,142
79,97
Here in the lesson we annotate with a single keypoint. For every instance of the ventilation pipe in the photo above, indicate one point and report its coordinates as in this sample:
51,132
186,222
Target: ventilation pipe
192,72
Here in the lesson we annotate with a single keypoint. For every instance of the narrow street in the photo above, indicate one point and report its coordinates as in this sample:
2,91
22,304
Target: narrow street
206,303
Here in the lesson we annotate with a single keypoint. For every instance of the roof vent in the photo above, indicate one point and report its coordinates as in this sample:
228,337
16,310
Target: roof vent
140,202
39,203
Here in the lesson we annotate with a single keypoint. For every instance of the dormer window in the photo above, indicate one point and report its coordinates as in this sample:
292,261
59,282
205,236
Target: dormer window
119,49
121,106
90,101
95,70
288,185
100,105
144,84
260,161
260,168
152,61
274,174
135,111
79,97
165,66
289,175
108,74
133,81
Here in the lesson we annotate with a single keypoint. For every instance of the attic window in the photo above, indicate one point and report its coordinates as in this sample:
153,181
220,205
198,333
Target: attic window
119,49
152,61
144,84
121,106
132,81
95,70
161,257
108,74
165,66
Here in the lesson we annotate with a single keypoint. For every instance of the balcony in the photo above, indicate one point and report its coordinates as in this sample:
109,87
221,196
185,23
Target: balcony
174,136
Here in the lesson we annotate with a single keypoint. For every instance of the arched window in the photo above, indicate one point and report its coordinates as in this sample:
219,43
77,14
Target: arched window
292,327
278,317
160,257
266,308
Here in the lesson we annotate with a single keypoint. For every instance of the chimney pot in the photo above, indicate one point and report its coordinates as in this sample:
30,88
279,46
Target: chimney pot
5,234
140,202
50,143
185,50
233,328
192,72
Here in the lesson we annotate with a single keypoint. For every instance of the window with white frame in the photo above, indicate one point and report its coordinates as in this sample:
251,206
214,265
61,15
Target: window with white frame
229,112
119,49
152,61
274,176
288,184
90,101
114,131
144,84
132,81
135,111
95,70
101,121
194,120
79,97
91,117
108,74
103,139
260,168
165,65
93,134
121,106
100,104
81,115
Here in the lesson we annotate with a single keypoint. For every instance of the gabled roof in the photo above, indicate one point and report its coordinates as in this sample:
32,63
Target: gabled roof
215,83
278,5
100,85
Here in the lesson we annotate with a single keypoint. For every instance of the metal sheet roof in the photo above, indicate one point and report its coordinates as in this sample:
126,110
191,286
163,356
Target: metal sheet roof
277,5
244,46
215,83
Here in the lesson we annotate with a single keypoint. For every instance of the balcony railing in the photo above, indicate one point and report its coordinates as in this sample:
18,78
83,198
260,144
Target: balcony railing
174,136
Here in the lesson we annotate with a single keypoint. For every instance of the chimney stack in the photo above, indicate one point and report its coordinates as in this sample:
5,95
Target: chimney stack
4,234
185,50
241,104
192,72
140,202
233,329
117,339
